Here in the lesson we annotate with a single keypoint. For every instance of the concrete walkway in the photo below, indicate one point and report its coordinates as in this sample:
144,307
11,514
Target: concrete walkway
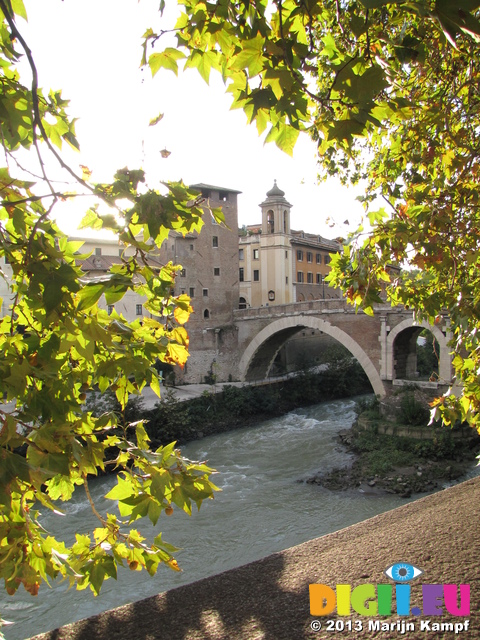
189,391
269,599
184,392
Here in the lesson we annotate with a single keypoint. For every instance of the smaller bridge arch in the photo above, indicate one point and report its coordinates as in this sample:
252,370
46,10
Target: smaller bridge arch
262,349
444,363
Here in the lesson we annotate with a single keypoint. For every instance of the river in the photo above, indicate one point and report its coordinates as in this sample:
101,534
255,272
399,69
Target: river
262,509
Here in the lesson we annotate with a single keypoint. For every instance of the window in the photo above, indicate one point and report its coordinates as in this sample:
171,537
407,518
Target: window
326,259
241,274
183,273
98,251
206,314
216,271
310,277
319,278
215,241
300,276
319,258
191,292
286,255
309,256
241,254
191,247
110,309
223,196
286,280
205,293
270,222
256,275
299,255
139,310
242,303
256,254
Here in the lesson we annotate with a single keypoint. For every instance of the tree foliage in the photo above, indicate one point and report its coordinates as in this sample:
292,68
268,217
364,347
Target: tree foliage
56,344
390,92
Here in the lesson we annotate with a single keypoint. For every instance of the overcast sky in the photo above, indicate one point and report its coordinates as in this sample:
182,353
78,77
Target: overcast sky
92,50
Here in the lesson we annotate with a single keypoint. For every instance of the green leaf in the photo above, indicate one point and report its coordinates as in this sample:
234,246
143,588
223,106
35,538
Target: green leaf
89,295
166,60
142,437
122,490
19,8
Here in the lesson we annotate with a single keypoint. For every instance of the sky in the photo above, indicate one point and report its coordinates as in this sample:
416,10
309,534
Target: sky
92,50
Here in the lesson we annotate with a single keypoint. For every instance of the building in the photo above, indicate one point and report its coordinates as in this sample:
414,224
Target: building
104,253
268,264
278,265
210,277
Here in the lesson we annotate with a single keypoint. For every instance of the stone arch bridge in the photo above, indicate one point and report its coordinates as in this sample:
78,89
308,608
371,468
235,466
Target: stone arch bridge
384,345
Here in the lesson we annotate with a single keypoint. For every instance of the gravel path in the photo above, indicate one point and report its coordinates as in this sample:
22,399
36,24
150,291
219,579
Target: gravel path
269,599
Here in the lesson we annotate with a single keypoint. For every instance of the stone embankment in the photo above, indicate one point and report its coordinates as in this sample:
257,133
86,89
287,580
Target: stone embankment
269,599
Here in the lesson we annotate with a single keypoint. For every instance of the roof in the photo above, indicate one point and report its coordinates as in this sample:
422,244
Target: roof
314,240
275,191
103,263
202,186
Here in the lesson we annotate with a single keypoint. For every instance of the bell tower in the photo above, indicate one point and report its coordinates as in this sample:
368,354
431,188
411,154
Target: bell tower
275,249
275,212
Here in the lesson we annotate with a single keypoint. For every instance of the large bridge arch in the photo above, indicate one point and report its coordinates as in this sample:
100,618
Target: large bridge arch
287,327
444,363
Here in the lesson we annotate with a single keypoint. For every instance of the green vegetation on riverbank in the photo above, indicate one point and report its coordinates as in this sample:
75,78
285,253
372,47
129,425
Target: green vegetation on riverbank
236,407
388,462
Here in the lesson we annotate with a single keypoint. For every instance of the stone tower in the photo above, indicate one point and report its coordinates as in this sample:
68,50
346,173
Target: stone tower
210,277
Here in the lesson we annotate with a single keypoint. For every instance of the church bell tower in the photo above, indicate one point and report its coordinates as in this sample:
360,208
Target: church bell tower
276,250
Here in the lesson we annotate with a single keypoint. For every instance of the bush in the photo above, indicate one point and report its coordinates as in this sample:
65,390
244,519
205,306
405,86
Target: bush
413,412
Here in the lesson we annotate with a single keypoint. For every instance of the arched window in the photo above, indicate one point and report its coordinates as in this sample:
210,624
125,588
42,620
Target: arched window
270,222
206,314
242,303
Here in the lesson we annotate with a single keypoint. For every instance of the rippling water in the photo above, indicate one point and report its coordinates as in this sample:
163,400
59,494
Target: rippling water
262,509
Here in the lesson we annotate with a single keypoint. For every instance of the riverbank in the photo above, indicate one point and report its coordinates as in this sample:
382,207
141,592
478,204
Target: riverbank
269,599
401,457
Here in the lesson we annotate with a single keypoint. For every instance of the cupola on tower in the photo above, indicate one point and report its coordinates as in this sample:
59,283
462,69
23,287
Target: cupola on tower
275,212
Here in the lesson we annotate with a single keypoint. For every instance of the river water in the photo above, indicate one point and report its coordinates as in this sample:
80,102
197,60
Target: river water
262,509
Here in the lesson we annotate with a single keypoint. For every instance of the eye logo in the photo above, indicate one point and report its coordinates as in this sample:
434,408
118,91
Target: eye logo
402,572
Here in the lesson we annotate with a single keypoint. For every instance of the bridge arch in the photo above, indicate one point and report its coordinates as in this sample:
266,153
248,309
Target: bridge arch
444,363
287,327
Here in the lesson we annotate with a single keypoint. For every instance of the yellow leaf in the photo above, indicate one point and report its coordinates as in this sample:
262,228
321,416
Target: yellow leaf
176,354
181,315
173,564
86,172
180,335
